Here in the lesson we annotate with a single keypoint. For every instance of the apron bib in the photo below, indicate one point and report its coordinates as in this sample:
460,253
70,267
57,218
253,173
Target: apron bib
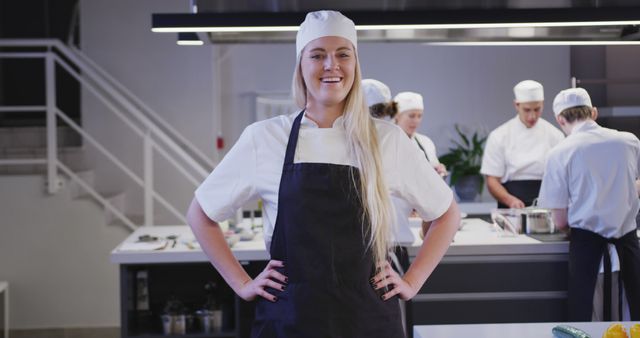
319,236
525,190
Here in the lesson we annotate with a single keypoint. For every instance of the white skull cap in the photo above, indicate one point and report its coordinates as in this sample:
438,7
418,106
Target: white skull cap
375,92
528,91
569,98
408,101
325,23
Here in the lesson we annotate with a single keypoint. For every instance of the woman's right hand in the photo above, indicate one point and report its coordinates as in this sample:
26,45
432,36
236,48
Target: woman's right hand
269,277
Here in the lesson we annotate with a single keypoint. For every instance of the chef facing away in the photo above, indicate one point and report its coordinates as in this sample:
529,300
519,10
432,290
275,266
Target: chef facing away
590,183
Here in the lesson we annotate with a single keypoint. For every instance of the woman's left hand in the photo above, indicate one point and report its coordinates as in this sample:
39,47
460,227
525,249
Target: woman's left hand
441,169
396,284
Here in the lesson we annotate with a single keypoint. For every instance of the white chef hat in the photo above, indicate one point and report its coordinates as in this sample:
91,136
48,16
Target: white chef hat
325,23
375,92
408,101
528,91
569,98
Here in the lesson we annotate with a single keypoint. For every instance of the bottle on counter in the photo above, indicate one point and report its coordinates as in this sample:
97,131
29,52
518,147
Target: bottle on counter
174,320
257,221
210,316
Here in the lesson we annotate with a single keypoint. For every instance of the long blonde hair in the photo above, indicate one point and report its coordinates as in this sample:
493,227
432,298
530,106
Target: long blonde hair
362,143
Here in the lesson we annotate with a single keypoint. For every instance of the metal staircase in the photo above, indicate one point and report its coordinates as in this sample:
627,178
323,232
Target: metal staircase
59,150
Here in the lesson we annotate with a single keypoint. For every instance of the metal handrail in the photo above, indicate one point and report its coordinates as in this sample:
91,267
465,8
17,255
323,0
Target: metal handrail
133,110
118,163
111,93
146,109
117,96
124,119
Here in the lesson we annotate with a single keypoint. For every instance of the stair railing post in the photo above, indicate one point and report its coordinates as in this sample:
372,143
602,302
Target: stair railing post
148,178
52,140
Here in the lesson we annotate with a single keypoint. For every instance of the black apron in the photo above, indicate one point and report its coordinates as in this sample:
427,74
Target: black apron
525,190
319,236
586,248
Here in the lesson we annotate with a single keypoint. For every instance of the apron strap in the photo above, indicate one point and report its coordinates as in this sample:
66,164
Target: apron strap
293,140
422,148
606,294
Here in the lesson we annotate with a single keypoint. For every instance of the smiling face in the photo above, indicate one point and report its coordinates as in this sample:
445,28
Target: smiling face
328,66
529,112
409,120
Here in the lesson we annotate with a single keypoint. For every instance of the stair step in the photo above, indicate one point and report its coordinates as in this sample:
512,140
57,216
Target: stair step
117,200
11,137
72,157
22,151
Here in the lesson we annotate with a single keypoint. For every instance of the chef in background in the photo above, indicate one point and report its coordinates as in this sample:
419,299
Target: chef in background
590,183
513,160
378,97
409,117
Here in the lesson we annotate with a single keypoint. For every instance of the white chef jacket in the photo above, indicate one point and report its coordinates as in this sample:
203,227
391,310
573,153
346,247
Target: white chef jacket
592,173
253,167
402,230
515,152
429,147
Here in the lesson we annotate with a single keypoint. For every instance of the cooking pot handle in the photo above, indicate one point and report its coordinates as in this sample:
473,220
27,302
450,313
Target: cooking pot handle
504,224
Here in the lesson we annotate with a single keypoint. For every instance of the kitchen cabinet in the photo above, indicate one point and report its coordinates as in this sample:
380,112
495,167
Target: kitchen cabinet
184,282
494,289
521,330
172,267
485,277
143,300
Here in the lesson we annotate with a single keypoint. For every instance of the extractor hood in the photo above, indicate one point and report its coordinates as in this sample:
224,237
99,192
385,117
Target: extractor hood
440,22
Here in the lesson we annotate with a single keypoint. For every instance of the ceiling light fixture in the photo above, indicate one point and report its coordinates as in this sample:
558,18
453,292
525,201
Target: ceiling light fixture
246,22
189,39
532,43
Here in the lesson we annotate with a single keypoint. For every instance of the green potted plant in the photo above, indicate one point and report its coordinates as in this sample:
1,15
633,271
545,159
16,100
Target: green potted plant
463,162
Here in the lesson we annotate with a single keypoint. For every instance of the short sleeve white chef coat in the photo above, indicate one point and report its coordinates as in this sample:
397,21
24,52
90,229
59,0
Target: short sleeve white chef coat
253,167
515,152
429,147
592,173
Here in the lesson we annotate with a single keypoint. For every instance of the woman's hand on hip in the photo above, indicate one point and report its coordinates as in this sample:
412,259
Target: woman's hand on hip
268,278
396,285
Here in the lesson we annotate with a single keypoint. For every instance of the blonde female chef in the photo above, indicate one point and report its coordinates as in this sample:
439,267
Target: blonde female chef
325,175
409,117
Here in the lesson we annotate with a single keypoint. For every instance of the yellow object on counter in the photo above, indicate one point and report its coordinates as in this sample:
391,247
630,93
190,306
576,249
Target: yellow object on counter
634,331
615,331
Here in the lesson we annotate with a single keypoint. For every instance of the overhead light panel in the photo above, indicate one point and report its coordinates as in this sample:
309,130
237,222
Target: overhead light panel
533,43
248,22
189,39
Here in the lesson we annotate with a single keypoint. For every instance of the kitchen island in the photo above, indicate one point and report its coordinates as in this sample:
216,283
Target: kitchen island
485,277
519,330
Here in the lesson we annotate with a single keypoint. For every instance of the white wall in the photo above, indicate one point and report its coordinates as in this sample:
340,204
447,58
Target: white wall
54,252
472,86
177,82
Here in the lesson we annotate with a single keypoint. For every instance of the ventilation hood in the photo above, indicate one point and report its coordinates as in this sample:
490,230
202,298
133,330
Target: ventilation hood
437,22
